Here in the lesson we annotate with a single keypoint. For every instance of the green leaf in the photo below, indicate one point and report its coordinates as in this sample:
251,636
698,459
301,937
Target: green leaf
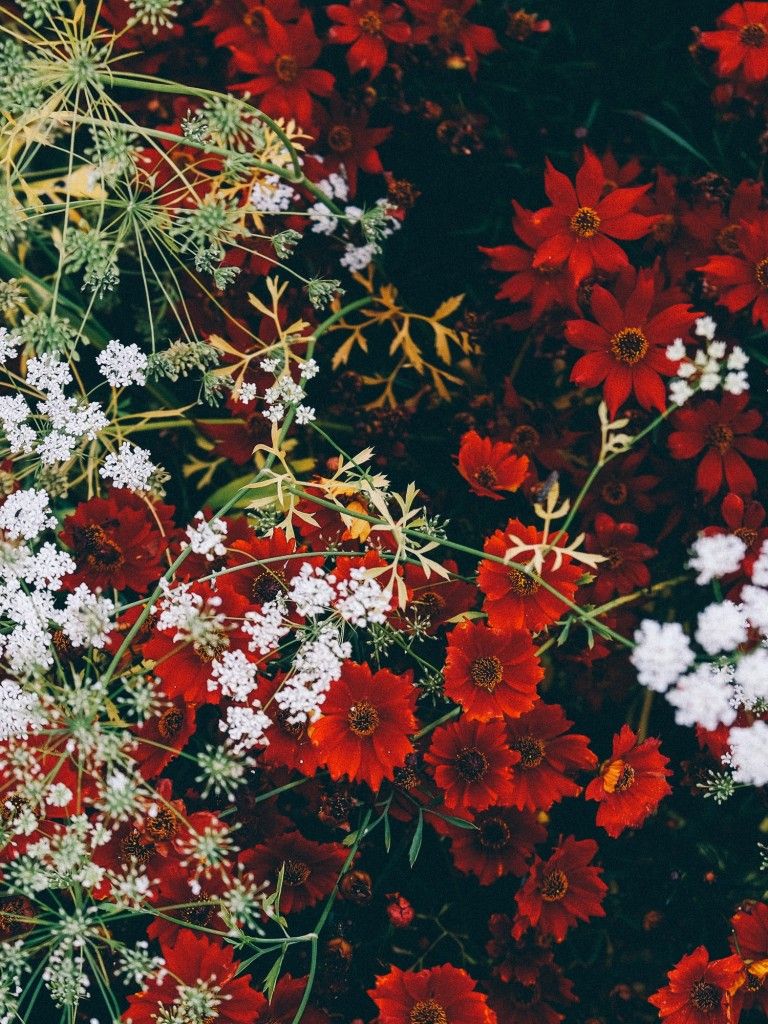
387,833
418,835
273,977
223,494
662,129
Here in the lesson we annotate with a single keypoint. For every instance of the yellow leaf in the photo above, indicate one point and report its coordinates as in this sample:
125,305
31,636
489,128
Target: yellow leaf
447,307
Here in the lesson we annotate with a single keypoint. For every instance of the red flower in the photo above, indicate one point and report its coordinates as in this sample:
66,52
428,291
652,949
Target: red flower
491,673
631,785
526,981
725,430
365,724
163,736
580,225
369,25
490,466
118,541
512,599
246,32
285,1002
471,763
625,348
399,911
742,280
501,844
287,83
741,42
349,141
434,600
197,964
745,519
561,891
521,24
289,743
750,941
539,777
311,869
699,990
624,569
267,567
445,22
433,996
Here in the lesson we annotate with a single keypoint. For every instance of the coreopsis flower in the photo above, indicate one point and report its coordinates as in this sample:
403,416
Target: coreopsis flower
631,784
435,995
201,977
490,466
513,600
700,991
445,23
624,568
370,26
502,843
725,429
162,736
527,981
547,753
491,673
626,348
267,566
287,80
522,24
745,519
582,223
561,891
742,279
118,541
310,869
348,141
177,904
363,730
750,942
289,743
433,599
471,763
741,41
285,1002
244,29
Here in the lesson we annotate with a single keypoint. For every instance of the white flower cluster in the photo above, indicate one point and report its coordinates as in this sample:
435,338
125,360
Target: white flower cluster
712,693
711,367
355,257
122,365
272,195
285,392
206,537
19,711
67,421
9,344
130,467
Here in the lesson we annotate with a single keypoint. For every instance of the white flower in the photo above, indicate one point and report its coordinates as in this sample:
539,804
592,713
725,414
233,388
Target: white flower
736,383
360,600
705,327
26,514
245,728
129,467
305,414
738,359
9,344
86,619
716,556
358,257
19,711
311,591
676,350
265,627
760,568
122,365
272,195
47,373
206,536
749,753
680,392
751,677
721,627
662,653
703,697
754,603
234,675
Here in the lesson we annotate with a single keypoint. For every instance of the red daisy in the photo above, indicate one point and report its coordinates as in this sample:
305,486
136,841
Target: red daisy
245,31
624,568
437,995
741,41
521,25
527,981
196,965
351,143
175,900
725,429
742,280
490,466
285,1002
363,731
435,600
561,891
289,743
501,844
750,942
311,869
267,567
700,991
546,754
445,22
513,600
580,226
118,541
625,348
631,785
370,26
471,763
491,673
163,736
746,519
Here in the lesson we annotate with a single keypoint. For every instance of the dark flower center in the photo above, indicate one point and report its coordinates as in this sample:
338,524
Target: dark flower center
135,847
494,834
94,547
728,238
431,604
170,724
525,438
520,25
209,647
521,583
162,826
486,477
531,751
286,69
11,909
761,272
293,729
255,21
340,138
614,492
363,718
427,1011
471,764
747,534
554,886
664,229
296,872
370,23
755,35
705,996
614,557
448,22
486,673
629,345
266,585
720,436
585,222
625,779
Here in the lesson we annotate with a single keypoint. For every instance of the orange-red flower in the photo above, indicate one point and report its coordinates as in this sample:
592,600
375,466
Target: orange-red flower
513,600
742,280
445,23
491,466
561,891
546,754
363,731
437,995
471,763
370,26
631,784
741,41
501,843
700,991
624,568
311,869
491,673
750,941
